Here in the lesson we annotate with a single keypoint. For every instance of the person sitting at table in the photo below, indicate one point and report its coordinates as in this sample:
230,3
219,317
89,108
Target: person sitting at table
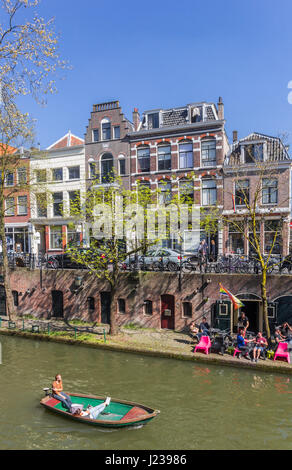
260,345
242,342
204,328
279,337
286,330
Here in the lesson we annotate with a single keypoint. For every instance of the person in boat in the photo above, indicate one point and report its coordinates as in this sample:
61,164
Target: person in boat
260,346
58,393
242,343
93,412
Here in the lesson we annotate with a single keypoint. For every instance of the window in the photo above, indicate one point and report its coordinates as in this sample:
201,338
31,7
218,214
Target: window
208,152
74,202
148,307
186,189
164,158
164,196
144,192
9,178
269,191
55,237
186,155
21,176
121,306
41,200
187,309
15,298
122,164
153,120
95,135
107,164
253,153
57,204
117,132
9,202
273,238
93,170
236,238
22,205
91,304
74,173
106,130
242,192
144,159
57,174
41,176
209,192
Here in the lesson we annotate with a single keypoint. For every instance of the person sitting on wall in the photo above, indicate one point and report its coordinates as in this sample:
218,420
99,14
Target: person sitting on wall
243,322
242,343
194,330
260,346
58,393
204,328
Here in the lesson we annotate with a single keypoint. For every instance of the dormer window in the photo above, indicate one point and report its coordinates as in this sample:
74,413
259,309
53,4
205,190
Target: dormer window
196,114
153,121
254,153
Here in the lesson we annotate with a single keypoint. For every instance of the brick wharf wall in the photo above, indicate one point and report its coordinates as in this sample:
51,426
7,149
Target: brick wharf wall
135,289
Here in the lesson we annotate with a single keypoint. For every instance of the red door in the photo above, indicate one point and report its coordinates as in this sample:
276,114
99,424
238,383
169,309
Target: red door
167,312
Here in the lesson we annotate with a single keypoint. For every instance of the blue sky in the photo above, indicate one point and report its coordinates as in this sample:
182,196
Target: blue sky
166,53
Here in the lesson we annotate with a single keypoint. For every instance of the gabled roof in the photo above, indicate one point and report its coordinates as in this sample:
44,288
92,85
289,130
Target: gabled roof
276,150
68,140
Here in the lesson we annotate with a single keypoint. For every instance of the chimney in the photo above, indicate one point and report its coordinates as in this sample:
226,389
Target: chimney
220,106
235,136
136,118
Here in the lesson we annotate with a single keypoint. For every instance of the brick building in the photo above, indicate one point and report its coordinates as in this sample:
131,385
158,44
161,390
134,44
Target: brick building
17,201
106,144
182,150
257,172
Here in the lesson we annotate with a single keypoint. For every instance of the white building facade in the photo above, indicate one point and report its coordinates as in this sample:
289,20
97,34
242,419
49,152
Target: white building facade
59,184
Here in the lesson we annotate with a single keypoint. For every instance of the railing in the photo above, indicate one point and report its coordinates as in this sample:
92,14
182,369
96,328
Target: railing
235,264
49,327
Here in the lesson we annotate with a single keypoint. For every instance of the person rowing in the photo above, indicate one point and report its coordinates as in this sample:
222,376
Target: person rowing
58,393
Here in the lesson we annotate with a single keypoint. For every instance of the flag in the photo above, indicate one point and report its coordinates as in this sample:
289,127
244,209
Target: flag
236,302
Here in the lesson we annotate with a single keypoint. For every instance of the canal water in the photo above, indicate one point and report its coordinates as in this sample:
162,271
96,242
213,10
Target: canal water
202,406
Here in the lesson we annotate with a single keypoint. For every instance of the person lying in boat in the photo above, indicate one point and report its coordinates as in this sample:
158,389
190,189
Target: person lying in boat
58,393
93,412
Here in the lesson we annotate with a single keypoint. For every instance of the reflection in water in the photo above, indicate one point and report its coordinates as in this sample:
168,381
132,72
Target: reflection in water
201,407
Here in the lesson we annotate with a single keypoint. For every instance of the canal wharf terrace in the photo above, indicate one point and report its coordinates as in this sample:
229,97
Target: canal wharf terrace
166,300
143,341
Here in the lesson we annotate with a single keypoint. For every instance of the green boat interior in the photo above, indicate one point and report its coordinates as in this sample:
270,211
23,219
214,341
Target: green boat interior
114,412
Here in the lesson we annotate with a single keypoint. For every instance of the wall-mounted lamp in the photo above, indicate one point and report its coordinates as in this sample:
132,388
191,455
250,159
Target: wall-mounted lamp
78,281
209,280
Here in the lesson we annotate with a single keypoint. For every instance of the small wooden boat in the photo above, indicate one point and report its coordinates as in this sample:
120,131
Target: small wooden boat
118,414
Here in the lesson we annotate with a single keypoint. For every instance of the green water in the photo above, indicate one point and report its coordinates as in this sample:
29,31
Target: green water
202,407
